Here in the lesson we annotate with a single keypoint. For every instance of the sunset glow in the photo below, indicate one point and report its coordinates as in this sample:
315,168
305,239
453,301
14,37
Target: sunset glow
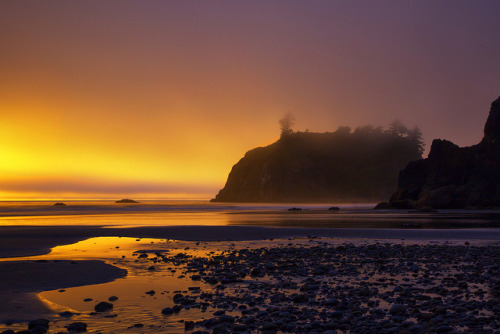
160,99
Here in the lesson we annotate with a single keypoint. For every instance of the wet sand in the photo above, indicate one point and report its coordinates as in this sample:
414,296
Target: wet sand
18,241
20,281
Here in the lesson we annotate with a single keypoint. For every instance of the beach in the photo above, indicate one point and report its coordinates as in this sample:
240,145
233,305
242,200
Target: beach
252,278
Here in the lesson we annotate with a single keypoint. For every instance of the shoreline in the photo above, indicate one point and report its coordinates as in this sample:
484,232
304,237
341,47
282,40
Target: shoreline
21,241
18,291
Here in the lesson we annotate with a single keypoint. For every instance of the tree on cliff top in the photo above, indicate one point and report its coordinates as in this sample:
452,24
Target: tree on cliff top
286,124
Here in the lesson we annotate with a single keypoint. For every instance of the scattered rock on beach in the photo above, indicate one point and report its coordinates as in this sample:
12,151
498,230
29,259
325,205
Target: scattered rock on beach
103,307
77,327
167,311
38,323
66,314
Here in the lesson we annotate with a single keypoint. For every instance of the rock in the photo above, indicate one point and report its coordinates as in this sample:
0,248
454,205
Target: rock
294,209
320,167
332,302
37,323
178,298
444,329
66,314
298,299
452,177
59,204
112,298
226,318
269,326
397,309
126,200
383,206
150,292
240,328
167,311
188,325
334,208
38,330
103,307
77,327
364,292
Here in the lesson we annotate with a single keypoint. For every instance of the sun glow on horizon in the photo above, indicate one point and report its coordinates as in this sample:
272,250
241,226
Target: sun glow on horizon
165,97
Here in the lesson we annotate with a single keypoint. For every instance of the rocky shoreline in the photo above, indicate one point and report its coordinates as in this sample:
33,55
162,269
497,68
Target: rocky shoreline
317,285
319,288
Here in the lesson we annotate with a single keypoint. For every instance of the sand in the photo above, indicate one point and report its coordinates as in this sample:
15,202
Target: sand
16,241
21,280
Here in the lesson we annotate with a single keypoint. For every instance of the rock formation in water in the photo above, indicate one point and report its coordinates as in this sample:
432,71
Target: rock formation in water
341,166
126,200
453,177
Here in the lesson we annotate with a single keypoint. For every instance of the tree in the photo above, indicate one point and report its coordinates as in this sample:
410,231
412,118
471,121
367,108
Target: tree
286,124
397,128
415,136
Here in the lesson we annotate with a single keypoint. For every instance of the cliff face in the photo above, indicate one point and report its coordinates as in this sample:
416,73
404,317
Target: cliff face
453,177
319,167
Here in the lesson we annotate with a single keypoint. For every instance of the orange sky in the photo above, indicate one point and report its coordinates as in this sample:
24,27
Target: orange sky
159,99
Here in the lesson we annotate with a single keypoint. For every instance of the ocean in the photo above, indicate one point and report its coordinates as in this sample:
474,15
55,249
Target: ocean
189,213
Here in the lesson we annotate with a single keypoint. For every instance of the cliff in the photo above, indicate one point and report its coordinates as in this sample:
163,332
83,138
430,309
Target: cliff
341,166
452,177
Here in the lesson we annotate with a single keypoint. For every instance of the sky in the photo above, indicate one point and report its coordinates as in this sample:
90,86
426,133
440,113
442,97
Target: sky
159,99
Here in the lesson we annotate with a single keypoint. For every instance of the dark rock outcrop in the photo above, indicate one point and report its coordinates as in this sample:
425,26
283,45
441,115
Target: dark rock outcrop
453,177
126,200
339,166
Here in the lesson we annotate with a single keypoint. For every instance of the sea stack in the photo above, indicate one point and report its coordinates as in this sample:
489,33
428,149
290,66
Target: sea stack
455,177
330,167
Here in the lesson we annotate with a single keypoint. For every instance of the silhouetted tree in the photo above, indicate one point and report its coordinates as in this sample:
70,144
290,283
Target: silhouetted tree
343,130
286,124
398,129
415,136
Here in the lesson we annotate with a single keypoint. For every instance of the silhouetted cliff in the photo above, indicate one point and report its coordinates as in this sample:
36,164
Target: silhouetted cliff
341,166
454,177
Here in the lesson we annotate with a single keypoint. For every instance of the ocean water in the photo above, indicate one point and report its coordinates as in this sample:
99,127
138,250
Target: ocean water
175,213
